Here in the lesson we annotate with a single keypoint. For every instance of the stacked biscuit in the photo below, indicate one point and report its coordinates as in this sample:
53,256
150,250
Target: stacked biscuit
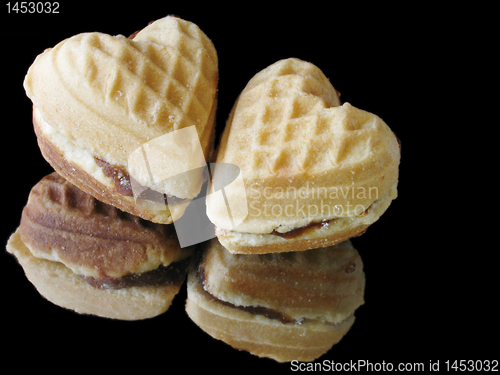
87,240
281,279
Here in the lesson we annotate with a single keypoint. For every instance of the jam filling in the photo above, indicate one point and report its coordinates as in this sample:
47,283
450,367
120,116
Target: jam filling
259,310
123,185
298,231
170,275
119,176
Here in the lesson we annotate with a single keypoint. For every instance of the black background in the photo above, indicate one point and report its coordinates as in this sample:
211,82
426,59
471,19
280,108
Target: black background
427,295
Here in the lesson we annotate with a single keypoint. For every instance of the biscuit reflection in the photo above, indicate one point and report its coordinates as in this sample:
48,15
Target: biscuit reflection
284,306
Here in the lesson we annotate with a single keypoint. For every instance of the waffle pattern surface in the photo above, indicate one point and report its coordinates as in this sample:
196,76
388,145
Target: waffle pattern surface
325,284
94,85
268,118
61,223
296,145
292,306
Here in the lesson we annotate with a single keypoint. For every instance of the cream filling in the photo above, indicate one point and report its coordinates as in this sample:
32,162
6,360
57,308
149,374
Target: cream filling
328,228
71,152
147,265
53,256
85,161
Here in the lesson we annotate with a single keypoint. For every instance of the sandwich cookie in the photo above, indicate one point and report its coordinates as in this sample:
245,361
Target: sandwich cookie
102,105
285,306
315,172
90,257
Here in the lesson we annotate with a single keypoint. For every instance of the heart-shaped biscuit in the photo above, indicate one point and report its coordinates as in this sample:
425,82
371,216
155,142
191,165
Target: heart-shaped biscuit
291,306
98,98
316,172
92,258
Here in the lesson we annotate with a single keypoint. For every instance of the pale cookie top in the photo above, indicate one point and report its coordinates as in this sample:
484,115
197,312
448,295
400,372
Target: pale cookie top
326,283
109,94
296,145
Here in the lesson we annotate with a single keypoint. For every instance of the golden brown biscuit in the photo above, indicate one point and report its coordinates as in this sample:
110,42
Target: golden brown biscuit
90,257
314,172
286,306
103,105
